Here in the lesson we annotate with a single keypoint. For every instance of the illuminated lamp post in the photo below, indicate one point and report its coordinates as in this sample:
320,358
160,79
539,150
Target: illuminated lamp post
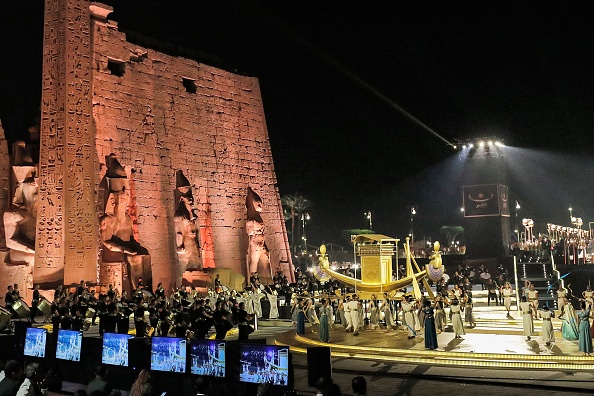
413,212
304,218
517,230
368,216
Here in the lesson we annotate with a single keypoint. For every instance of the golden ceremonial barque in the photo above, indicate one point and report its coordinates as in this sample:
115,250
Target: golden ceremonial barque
376,252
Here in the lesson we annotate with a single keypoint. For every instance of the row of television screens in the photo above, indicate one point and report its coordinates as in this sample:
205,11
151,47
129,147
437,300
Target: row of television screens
258,363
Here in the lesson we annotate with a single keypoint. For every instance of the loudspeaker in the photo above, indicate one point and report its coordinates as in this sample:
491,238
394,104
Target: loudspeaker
20,331
319,364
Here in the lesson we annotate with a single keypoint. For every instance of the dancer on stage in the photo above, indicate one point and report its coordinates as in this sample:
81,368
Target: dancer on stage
533,300
386,308
584,334
355,310
440,316
457,319
430,333
347,314
408,308
295,307
373,312
588,295
561,297
310,312
468,308
527,322
340,309
325,318
301,317
507,291
547,333
569,324
421,312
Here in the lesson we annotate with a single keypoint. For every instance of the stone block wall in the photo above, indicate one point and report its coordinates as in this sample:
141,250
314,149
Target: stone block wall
159,113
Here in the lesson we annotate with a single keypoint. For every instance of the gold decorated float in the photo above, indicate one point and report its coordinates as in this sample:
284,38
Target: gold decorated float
376,252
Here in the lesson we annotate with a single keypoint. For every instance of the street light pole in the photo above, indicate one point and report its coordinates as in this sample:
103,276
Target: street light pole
304,218
517,230
413,212
368,215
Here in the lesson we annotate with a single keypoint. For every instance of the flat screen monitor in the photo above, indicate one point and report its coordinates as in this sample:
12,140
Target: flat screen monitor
69,345
207,357
264,363
35,342
115,349
168,354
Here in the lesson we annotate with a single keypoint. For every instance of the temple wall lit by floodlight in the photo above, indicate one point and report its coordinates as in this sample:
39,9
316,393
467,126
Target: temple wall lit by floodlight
124,126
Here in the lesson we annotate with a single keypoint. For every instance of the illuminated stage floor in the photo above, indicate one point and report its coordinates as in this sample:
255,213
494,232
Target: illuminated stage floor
496,342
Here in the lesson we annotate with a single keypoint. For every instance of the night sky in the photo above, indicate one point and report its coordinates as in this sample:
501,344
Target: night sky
334,75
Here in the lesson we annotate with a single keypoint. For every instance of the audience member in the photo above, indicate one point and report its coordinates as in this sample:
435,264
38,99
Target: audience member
51,382
2,363
143,385
359,385
327,387
100,383
30,385
264,390
12,378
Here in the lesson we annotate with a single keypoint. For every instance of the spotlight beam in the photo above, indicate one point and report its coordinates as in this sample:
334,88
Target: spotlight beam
299,38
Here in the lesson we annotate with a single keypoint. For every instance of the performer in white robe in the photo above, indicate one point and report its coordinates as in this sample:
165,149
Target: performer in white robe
548,334
256,298
354,307
561,295
386,309
273,299
347,314
456,316
507,291
409,318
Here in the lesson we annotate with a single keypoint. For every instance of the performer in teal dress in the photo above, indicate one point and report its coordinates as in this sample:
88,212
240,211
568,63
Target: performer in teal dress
300,318
325,317
585,337
430,332
569,324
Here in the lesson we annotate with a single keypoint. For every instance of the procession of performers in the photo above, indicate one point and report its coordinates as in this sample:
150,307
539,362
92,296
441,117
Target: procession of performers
414,316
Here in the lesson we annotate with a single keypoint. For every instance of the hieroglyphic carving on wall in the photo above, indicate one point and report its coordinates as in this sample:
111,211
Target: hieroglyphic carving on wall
4,184
66,246
205,226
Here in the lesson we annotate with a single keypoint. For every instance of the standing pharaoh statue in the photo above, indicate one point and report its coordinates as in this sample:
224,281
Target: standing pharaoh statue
117,229
258,254
21,217
186,226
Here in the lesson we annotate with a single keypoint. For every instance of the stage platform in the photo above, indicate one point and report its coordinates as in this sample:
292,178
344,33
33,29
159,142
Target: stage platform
496,342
